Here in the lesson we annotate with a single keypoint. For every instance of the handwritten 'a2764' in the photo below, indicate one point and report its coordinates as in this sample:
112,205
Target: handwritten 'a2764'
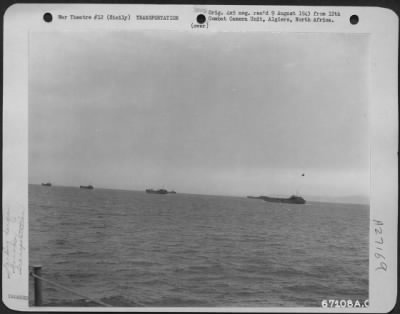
379,246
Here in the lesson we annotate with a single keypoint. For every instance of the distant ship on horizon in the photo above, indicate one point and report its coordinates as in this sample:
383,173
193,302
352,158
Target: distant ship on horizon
87,187
159,191
46,184
294,199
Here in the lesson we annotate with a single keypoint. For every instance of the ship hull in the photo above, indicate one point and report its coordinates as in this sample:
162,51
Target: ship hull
284,200
150,191
290,200
87,187
160,191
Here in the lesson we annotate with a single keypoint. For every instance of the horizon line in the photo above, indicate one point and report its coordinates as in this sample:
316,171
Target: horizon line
329,199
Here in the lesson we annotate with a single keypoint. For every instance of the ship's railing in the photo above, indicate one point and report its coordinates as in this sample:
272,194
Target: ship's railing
36,273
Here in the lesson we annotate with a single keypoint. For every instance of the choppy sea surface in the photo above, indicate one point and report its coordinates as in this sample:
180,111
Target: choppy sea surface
129,248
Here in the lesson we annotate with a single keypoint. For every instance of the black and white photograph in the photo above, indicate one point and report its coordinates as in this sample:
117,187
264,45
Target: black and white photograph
178,169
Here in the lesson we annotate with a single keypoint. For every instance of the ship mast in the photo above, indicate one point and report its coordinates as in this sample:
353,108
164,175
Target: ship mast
297,190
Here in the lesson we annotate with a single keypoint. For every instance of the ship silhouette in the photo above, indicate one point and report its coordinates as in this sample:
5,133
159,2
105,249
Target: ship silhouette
294,199
159,191
87,187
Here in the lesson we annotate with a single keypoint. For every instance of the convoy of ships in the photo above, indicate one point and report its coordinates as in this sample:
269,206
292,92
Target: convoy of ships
86,187
294,199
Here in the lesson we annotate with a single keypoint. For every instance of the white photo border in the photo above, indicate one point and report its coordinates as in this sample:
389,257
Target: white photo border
380,24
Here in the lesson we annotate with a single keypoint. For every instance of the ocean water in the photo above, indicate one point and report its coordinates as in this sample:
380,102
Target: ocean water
129,248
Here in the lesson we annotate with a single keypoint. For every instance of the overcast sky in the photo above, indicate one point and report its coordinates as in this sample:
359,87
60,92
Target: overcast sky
232,113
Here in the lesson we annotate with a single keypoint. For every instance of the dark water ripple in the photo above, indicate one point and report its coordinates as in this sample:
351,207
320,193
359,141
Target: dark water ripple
130,248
